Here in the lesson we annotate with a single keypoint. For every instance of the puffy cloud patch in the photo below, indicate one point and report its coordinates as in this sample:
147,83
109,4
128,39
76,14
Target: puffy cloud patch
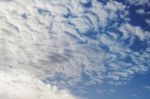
60,42
148,21
138,2
141,7
20,85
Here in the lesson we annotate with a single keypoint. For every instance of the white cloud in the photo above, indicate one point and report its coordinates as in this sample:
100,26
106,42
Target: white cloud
138,2
20,85
140,11
51,41
144,13
129,30
148,21
105,92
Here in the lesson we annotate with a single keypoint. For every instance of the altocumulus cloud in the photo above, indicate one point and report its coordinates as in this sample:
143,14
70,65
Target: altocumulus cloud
22,86
58,42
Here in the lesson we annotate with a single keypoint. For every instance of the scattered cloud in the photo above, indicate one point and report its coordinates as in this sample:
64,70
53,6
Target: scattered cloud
140,11
148,21
52,41
138,2
147,87
105,92
20,85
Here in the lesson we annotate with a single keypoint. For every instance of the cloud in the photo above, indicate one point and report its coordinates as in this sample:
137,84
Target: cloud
144,13
128,29
60,42
20,85
148,21
105,92
138,2
140,11
147,87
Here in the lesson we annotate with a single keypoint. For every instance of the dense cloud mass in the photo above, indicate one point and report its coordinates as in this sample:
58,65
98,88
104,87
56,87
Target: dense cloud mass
19,85
61,41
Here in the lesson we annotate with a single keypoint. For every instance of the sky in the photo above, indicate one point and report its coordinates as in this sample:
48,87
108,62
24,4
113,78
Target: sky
74,49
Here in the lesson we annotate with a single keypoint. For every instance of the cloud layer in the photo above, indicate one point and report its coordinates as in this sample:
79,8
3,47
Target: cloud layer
61,42
15,85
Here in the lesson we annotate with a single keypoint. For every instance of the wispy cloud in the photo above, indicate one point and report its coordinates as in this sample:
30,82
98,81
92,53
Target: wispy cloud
52,41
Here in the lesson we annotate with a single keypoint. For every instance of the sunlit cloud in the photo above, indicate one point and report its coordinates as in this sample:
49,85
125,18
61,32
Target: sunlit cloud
58,43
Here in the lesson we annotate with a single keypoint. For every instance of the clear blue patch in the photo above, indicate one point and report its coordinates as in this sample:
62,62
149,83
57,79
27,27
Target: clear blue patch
87,5
139,20
138,45
24,16
103,1
42,11
91,34
105,48
68,14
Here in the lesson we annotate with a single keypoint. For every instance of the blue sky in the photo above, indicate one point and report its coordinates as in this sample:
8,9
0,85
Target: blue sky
133,89
136,87
75,49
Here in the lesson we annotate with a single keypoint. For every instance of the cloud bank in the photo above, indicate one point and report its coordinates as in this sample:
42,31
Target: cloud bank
15,85
61,42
